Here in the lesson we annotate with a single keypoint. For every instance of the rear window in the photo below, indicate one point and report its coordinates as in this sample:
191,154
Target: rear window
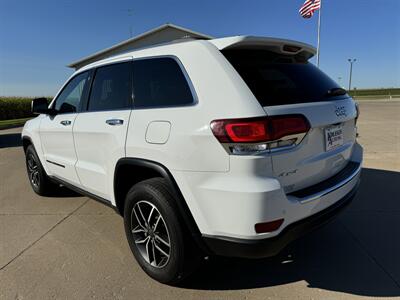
277,79
160,82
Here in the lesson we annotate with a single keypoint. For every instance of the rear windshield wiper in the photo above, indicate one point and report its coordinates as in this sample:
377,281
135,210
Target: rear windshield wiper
336,92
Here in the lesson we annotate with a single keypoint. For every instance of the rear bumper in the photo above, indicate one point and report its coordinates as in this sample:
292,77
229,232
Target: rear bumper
245,248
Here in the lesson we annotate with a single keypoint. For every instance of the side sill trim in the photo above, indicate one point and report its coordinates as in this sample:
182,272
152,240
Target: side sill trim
84,193
54,163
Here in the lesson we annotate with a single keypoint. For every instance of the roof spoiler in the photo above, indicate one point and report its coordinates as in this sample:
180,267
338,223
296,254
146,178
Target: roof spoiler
283,46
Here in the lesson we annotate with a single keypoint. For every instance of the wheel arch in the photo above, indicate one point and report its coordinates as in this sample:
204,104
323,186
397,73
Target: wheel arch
26,141
143,169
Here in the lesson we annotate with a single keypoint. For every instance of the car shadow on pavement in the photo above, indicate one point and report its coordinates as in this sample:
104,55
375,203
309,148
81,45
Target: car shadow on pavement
10,140
63,192
358,253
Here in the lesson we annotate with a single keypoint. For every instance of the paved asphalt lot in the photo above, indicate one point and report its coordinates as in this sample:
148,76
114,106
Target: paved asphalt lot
73,247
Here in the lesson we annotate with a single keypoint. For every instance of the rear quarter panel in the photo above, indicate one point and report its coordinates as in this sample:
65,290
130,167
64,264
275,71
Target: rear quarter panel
219,93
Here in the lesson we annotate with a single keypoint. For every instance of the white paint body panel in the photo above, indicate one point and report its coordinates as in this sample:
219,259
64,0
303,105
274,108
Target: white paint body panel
228,205
309,162
98,147
158,132
226,194
58,147
31,131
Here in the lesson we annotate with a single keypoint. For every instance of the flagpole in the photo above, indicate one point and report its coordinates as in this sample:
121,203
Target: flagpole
319,32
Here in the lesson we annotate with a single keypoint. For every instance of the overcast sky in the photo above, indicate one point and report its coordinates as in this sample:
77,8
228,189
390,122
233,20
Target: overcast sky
39,38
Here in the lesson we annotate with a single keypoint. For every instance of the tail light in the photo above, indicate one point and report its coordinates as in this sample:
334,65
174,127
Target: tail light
246,136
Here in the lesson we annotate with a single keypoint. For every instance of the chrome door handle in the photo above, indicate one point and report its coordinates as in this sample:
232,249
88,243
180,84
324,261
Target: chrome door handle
114,122
65,122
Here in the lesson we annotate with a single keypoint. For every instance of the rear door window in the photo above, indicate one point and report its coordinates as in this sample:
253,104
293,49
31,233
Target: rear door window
112,88
277,79
160,82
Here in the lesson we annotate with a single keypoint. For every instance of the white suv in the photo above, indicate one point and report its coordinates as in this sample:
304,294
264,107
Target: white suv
233,146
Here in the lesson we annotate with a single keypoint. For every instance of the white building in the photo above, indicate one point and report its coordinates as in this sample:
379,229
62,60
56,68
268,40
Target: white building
163,34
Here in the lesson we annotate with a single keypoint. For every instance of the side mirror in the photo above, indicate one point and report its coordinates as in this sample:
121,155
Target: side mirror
40,106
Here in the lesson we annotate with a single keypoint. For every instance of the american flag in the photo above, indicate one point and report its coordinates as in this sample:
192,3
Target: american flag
309,7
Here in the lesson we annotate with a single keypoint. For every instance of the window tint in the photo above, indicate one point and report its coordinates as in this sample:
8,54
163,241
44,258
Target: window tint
281,79
159,82
112,88
70,97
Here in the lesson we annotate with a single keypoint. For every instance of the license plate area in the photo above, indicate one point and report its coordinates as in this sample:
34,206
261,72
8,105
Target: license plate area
333,137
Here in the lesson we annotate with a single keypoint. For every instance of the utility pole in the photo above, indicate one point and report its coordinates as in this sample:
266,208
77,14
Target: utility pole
351,61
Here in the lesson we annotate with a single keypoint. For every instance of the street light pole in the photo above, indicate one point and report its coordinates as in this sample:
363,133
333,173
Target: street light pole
351,61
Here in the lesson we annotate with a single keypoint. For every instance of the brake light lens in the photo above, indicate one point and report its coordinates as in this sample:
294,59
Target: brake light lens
284,126
291,48
257,130
247,131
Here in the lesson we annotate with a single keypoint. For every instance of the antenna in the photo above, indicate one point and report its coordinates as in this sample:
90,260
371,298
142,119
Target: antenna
129,12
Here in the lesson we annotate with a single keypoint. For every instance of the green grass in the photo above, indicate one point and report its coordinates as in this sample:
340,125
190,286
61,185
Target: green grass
15,107
376,92
13,123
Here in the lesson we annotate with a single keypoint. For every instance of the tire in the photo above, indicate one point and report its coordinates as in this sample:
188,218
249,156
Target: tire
40,182
165,264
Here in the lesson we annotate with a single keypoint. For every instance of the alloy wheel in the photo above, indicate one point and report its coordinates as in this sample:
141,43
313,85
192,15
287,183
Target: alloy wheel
33,170
150,234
